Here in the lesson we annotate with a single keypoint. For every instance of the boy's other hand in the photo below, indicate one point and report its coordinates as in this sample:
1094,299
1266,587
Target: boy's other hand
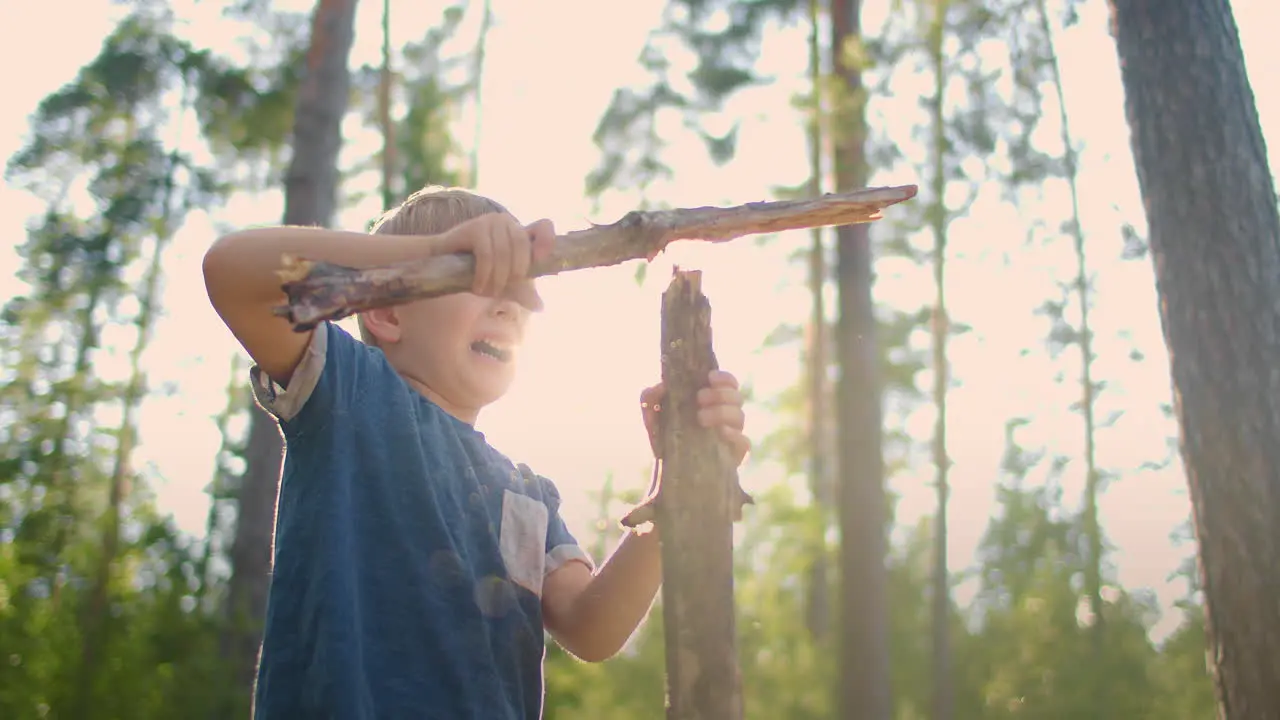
719,407
504,250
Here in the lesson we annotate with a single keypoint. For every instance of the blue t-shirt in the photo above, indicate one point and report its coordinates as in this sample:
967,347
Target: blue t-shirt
409,554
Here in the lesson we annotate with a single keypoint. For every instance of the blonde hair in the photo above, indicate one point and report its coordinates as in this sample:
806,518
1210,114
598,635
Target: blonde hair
430,211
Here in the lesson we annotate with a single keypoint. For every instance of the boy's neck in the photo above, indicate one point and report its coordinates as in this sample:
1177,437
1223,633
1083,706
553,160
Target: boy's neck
467,416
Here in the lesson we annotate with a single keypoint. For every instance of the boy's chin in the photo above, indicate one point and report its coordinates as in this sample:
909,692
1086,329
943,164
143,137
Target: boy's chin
489,390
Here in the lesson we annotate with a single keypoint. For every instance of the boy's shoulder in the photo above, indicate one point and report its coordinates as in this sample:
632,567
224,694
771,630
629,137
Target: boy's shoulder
364,371
284,402
331,351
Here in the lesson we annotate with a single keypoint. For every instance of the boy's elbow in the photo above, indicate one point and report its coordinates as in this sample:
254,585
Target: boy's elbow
217,261
592,646
593,652
584,644
229,268
227,250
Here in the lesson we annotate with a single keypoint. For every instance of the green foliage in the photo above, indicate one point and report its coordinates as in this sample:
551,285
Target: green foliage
724,38
1021,649
103,156
425,151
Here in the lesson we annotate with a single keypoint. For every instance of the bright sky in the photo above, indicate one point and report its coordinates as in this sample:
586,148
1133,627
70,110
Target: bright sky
573,415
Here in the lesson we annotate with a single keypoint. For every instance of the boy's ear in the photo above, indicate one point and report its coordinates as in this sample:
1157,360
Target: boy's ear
383,324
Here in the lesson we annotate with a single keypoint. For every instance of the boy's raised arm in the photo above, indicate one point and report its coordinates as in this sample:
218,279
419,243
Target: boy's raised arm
240,277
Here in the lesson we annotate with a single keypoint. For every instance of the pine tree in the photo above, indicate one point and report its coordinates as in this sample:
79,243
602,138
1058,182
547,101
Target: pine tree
100,577
311,188
863,678
1210,202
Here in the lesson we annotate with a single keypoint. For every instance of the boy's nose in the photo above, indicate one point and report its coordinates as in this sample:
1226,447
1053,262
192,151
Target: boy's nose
525,293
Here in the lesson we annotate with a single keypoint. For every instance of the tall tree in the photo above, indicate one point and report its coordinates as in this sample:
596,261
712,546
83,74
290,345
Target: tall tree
414,107
311,187
427,148
105,584
1210,203
939,219
1031,655
477,78
863,680
385,82
818,363
95,619
1083,335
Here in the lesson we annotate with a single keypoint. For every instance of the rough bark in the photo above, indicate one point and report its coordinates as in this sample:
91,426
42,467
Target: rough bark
698,498
318,291
1215,242
311,185
863,689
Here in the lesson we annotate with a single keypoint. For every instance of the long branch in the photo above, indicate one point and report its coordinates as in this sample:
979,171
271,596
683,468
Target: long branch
319,291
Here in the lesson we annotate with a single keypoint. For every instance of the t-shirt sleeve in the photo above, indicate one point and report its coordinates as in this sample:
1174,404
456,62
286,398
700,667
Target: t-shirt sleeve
562,547
321,383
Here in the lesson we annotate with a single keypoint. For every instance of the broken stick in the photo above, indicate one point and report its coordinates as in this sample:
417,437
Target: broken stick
696,502
319,291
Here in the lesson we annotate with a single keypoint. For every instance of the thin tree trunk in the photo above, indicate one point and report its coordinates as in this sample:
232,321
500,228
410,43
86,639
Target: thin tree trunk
251,548
95,617
819,610
1210,203
311,188
384,113
1092,528
863,678
939,219
75,400
603,518
59,491
234,405
477,73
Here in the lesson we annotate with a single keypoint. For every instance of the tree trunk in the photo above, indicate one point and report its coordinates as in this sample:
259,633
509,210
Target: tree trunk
1215,242
940,219
311,187
97,276
863,676
388,128
477,79
235,405
818,611
95,620
698,499
1092,528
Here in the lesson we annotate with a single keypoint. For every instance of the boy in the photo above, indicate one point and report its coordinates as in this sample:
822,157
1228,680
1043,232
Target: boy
416,567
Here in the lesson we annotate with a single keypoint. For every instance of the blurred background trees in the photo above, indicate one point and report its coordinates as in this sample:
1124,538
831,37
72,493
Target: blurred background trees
970,500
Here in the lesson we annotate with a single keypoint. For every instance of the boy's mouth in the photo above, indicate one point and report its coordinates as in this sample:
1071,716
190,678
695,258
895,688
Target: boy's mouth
498,352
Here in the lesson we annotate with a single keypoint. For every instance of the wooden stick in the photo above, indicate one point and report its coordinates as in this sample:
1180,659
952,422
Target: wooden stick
319,291
697,500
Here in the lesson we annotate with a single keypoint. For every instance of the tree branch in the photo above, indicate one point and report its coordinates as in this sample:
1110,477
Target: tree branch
696,502
318,291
